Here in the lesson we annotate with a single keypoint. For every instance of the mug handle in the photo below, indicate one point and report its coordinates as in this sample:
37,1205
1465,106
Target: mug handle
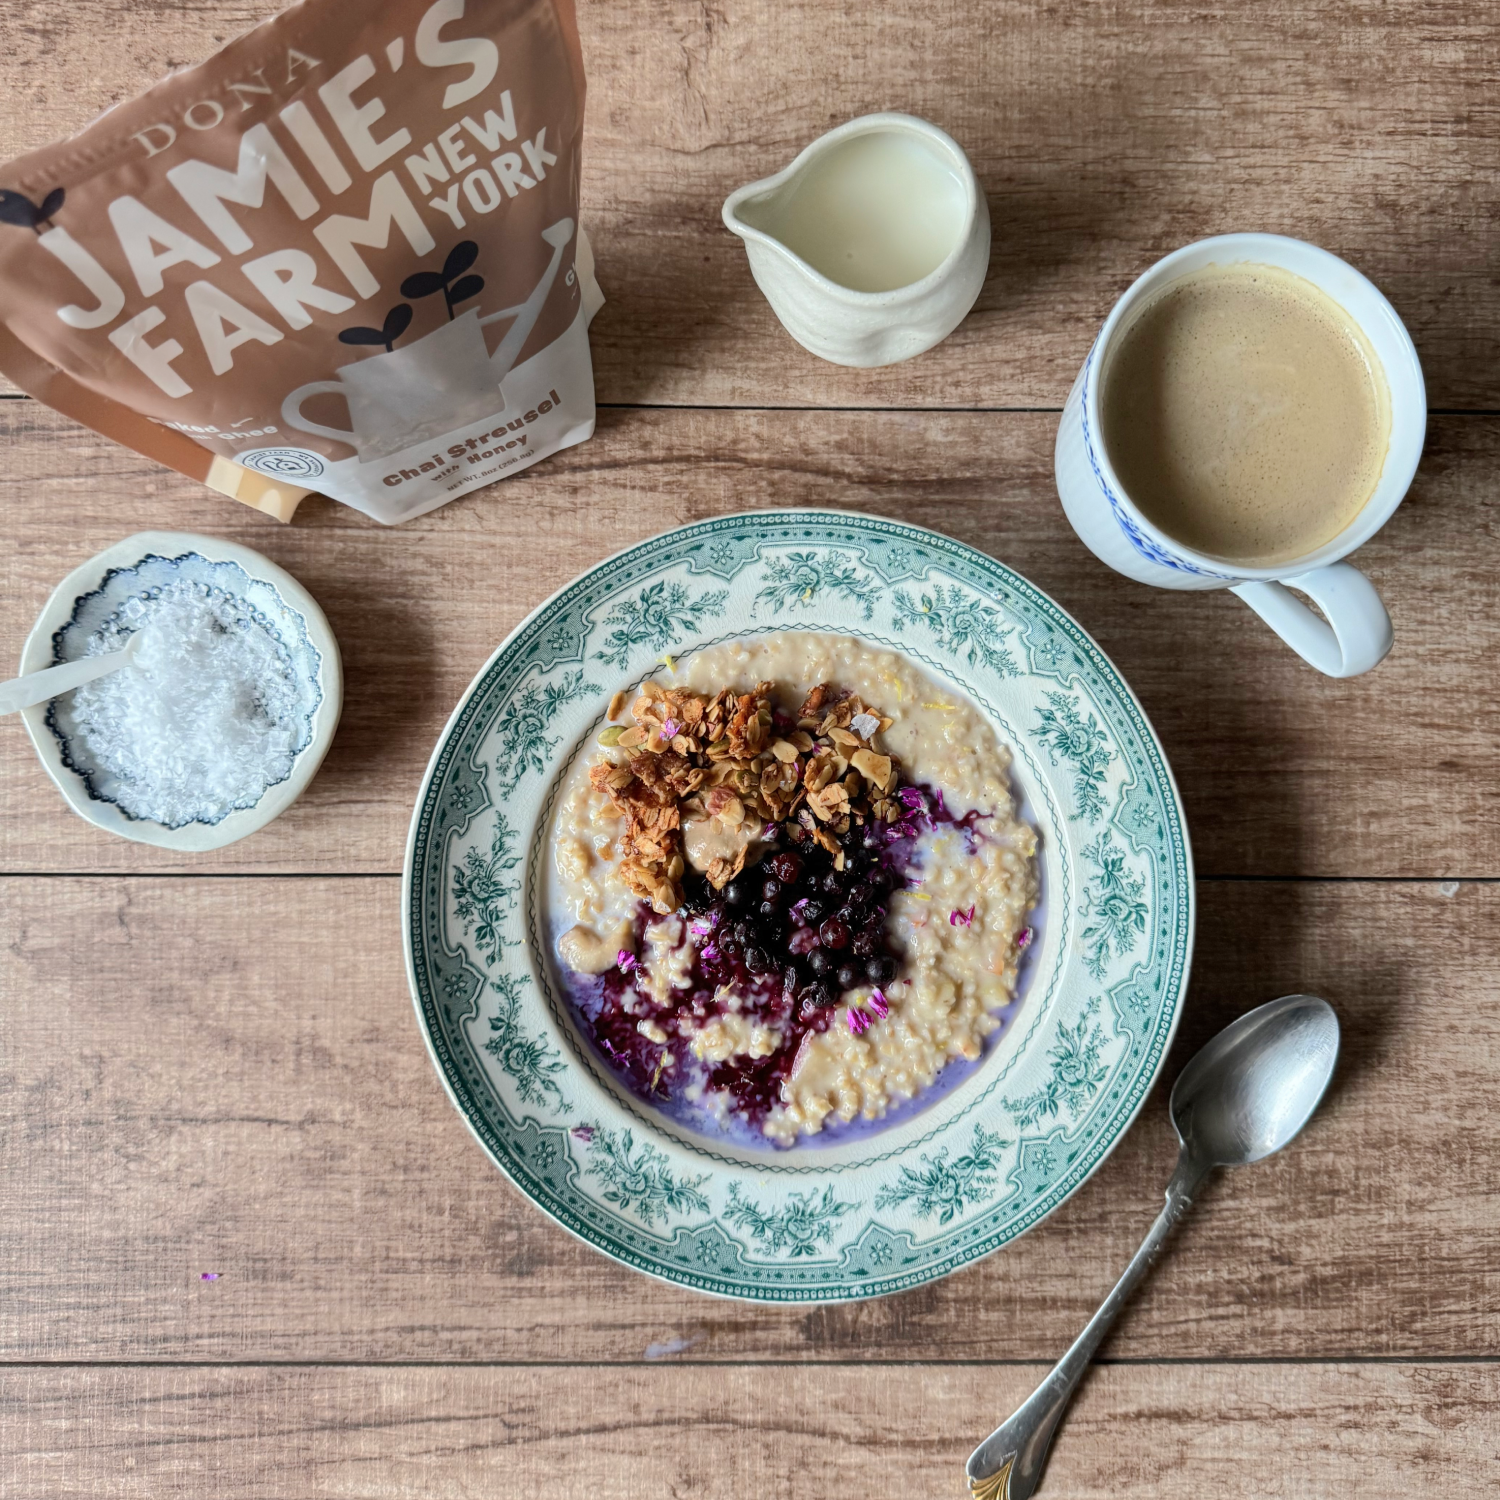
1356,634
291,411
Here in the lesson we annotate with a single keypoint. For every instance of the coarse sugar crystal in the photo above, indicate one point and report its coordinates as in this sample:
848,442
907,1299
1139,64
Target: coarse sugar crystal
204,719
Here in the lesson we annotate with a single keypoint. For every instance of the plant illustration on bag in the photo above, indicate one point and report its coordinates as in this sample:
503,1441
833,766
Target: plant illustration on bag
450,281
397,321
16,208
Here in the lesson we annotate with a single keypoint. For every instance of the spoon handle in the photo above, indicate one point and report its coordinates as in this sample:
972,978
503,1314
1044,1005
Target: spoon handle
38,687
1007,1465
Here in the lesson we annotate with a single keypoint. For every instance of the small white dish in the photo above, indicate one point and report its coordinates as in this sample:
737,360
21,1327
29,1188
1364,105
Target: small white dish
879,196
146,560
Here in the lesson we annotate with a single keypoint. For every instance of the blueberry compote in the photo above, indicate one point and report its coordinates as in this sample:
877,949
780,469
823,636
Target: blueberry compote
792,945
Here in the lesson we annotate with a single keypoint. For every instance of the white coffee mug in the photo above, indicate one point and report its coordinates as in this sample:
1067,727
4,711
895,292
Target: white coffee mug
1354,632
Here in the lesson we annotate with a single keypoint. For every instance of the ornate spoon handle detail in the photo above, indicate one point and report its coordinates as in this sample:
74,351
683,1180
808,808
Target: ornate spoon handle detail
1007,1465
993,1488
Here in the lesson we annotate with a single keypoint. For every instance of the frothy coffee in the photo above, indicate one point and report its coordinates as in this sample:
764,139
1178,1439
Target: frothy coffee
1246,414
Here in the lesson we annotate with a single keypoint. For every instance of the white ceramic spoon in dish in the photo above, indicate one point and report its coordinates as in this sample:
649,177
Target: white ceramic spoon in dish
38,687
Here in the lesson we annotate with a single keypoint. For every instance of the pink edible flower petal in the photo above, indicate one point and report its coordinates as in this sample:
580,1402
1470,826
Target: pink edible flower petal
912,798
879,1004
1024,941
859,1022
669,728
209,1276
960,918
583,1133
625,960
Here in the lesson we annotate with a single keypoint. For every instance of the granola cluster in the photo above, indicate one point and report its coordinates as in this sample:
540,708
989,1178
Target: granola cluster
734,760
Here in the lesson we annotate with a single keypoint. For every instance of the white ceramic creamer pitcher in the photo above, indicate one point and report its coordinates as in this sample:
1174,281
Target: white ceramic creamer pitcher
873,244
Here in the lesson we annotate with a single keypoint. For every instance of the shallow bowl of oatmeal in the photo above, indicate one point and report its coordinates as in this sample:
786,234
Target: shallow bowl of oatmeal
798,906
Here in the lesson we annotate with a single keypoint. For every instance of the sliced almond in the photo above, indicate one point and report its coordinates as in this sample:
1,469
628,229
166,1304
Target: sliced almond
632,737
616,705
829,802
785,749
877,768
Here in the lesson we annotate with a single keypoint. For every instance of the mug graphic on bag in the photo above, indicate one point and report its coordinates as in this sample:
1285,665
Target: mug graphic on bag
446,380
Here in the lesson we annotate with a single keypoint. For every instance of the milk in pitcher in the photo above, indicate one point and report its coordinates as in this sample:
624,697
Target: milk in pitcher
877,212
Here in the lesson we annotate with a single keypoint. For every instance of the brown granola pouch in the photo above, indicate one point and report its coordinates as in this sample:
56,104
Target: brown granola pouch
341,255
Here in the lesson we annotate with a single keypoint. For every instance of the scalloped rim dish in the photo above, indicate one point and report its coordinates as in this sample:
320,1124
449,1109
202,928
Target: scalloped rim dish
88,579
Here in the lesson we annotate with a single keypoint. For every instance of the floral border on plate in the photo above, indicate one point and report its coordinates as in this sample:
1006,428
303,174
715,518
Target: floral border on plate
959,1180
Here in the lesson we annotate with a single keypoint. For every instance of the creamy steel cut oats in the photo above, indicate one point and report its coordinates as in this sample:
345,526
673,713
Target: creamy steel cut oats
791,886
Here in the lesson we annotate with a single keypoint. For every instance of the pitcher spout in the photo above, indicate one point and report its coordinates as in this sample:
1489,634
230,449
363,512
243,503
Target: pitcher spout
748,211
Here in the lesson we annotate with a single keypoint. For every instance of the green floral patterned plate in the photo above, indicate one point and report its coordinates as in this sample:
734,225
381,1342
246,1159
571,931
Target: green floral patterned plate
870,1213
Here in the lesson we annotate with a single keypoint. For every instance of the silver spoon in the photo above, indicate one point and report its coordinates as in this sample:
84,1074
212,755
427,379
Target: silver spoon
38,687
1245,1095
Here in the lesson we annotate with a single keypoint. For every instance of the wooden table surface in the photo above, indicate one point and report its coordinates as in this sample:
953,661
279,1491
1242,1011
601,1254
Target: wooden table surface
211,1063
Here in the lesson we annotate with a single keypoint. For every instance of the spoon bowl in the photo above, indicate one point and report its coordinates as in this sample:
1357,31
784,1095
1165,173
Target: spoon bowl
1251,1089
